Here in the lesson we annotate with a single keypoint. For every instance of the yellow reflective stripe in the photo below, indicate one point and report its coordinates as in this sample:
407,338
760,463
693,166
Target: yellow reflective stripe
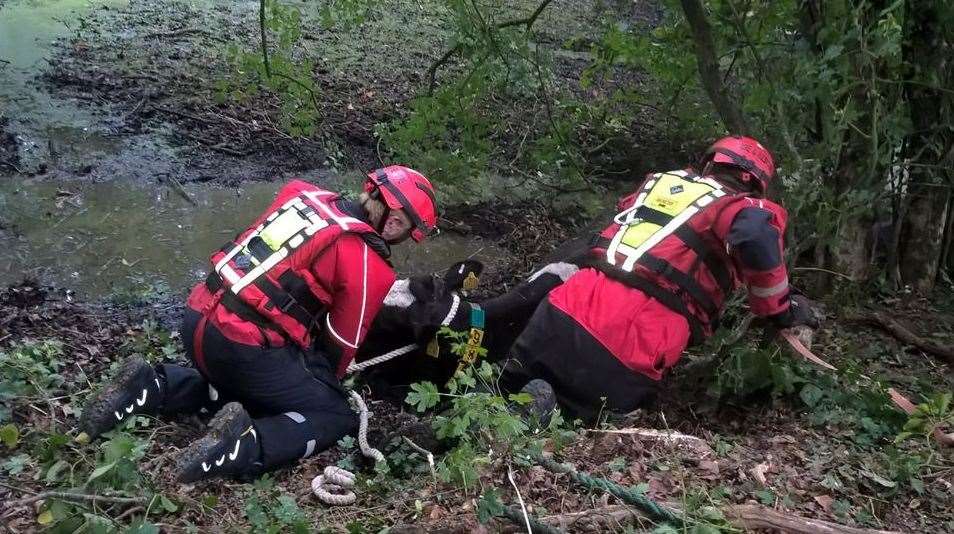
764,292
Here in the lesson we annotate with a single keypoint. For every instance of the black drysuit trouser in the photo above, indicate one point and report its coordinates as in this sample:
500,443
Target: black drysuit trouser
297,403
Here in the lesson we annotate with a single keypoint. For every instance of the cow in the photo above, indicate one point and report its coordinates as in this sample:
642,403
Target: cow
416,308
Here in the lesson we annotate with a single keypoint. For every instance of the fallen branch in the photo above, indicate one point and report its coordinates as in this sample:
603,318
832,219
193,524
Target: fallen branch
753,516
903,334
75,497
218,147
175,33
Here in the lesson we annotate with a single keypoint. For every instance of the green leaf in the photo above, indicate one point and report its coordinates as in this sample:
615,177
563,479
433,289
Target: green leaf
766,496
811,394
53,473
143,527
423,395
489,506
521,398
100,471
167,504
9,435
16,464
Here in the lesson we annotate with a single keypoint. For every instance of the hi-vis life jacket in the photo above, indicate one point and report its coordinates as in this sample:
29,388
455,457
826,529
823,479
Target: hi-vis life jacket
667,205
264,274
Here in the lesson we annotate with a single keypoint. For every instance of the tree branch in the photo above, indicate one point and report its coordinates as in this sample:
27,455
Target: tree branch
527,22
894,328
261,27
74,497
709,68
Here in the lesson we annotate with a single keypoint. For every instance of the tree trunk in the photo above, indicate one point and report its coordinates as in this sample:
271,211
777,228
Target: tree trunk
927,50
709,71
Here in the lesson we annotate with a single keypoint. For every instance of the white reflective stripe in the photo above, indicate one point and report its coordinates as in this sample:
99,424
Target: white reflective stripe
649,185
332,331
661,234
272,216
296,417
763,292
710,182
310,448
340,221
290,203
235,250
364,301
294,242
364,294
705,200
614,245
229,274
259,270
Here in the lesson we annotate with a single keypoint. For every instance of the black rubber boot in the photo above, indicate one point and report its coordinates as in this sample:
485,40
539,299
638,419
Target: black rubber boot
230,449
137,389
540,409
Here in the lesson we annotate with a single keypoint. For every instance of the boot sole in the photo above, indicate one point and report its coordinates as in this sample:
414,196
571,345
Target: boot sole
98,414
202,448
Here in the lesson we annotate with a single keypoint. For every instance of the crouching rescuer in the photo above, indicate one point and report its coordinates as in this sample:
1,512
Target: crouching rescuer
275,325
656,280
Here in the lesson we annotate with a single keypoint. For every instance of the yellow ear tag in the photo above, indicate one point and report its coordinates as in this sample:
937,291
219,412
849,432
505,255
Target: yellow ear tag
470,283
433,348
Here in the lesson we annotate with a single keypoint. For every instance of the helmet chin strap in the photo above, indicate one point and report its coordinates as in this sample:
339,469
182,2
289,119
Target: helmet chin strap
379,225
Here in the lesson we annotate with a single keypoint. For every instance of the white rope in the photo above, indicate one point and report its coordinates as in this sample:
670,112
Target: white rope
333,487
355,366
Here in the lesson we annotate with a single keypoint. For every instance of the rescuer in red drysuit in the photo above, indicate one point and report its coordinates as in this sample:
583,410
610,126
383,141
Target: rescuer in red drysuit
275,325
656,280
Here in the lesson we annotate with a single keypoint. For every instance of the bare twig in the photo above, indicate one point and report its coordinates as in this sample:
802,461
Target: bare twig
175,33
527,22
75,497
427,454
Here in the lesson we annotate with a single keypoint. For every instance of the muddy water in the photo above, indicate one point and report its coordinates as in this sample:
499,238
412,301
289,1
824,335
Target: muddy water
60,132
97,238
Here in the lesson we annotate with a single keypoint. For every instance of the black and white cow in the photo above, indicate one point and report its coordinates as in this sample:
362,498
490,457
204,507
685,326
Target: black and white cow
417,307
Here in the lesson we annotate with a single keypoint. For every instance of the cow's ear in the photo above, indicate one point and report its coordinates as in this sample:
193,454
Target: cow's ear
422,287
460,272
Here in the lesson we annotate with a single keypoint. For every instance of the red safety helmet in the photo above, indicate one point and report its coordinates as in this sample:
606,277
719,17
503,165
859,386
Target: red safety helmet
744,153
403,188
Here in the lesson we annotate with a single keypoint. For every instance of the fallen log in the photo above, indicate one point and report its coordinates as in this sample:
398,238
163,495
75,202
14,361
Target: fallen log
946,352
753,516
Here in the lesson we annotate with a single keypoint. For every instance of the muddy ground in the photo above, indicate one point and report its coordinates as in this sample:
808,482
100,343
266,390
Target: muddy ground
162,64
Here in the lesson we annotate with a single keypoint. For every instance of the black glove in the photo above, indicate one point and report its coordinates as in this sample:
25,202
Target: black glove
799,313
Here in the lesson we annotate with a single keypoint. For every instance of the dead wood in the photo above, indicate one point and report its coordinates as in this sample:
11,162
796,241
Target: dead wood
753,516
946,352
